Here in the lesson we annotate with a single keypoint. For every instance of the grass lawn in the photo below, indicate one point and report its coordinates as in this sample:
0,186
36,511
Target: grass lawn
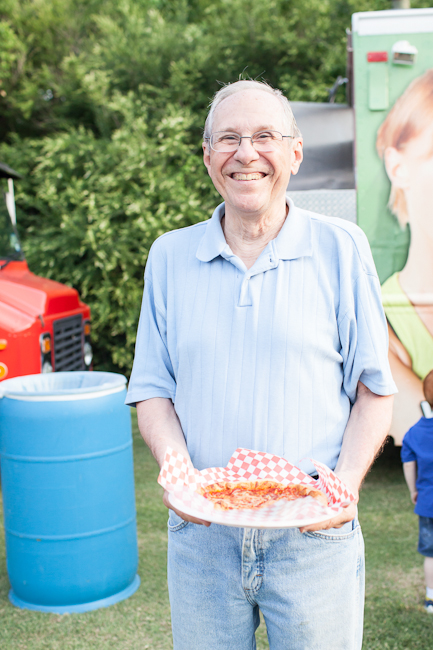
395,618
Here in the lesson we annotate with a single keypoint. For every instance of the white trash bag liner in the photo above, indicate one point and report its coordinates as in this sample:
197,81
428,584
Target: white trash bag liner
62,383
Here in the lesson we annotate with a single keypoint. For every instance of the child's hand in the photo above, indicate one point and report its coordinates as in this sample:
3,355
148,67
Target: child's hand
413,497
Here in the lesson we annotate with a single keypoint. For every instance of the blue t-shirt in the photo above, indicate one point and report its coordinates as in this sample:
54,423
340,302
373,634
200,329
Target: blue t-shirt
418,446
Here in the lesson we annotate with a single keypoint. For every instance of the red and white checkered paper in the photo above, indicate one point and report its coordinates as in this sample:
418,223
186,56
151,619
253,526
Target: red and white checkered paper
181,480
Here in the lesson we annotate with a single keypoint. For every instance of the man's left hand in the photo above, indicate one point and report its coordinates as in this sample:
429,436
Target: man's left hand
348,513
369,422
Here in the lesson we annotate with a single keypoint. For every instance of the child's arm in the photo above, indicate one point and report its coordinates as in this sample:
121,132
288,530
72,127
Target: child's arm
409,470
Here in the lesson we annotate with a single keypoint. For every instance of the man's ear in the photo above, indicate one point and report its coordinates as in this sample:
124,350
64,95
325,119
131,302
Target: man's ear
396,167
297,155
206,156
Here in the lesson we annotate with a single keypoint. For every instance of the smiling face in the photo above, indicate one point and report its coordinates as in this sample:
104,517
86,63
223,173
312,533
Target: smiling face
252,183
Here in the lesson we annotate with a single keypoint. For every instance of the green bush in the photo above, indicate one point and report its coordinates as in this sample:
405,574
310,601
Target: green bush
91,208
177,50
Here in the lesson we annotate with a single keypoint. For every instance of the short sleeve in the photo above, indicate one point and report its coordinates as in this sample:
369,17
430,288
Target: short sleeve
152,373
407,454
364,340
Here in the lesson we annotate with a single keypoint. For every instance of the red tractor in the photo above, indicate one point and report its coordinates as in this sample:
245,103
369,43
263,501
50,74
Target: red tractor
44,326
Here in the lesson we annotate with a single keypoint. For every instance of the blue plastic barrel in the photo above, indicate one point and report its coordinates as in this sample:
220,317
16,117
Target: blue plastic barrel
68,491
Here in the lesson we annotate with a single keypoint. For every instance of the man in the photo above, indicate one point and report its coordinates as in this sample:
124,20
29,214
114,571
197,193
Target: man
263,328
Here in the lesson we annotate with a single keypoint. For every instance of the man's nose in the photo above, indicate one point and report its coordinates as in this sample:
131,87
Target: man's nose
245,152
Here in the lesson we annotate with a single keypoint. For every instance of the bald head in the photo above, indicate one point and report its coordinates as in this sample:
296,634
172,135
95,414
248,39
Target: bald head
289,122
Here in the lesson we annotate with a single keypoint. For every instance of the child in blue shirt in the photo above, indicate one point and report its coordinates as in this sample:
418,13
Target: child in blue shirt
417,458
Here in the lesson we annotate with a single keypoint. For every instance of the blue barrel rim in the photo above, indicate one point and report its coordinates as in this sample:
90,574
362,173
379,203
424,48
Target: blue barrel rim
76,384
81,608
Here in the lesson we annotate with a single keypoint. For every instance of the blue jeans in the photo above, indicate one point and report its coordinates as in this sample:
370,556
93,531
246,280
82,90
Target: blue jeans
308,586
425,540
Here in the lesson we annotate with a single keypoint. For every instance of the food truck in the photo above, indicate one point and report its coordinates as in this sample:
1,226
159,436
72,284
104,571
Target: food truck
371,161
44,326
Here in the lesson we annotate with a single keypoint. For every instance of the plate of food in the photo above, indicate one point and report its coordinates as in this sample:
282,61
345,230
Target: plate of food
258,504
256,490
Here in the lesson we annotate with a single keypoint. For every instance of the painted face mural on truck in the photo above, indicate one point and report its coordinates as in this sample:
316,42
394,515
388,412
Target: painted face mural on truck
405,144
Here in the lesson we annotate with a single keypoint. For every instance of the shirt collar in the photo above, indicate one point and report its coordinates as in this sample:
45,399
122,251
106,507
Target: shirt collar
295,237
213,241
293,240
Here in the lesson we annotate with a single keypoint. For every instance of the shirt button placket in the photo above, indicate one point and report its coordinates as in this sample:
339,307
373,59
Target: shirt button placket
245,293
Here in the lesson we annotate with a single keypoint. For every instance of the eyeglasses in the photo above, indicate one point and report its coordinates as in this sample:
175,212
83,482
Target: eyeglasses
263,141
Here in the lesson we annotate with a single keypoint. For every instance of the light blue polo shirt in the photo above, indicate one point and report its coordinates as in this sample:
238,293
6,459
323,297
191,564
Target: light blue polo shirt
266,358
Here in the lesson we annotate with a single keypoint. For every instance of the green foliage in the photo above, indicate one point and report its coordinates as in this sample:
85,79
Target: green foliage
93,206
177,51
102,105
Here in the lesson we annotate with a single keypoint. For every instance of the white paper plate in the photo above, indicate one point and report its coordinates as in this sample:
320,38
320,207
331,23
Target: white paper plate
220,517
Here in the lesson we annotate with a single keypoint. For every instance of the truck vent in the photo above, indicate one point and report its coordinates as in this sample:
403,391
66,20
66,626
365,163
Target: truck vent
68,344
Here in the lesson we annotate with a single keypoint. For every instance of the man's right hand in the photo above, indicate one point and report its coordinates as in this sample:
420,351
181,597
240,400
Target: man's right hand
160,428
182,515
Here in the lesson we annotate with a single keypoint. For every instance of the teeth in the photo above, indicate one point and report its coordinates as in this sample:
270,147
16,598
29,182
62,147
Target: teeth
248,177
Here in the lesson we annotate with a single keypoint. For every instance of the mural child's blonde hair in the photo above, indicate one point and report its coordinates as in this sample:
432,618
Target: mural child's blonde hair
410,115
